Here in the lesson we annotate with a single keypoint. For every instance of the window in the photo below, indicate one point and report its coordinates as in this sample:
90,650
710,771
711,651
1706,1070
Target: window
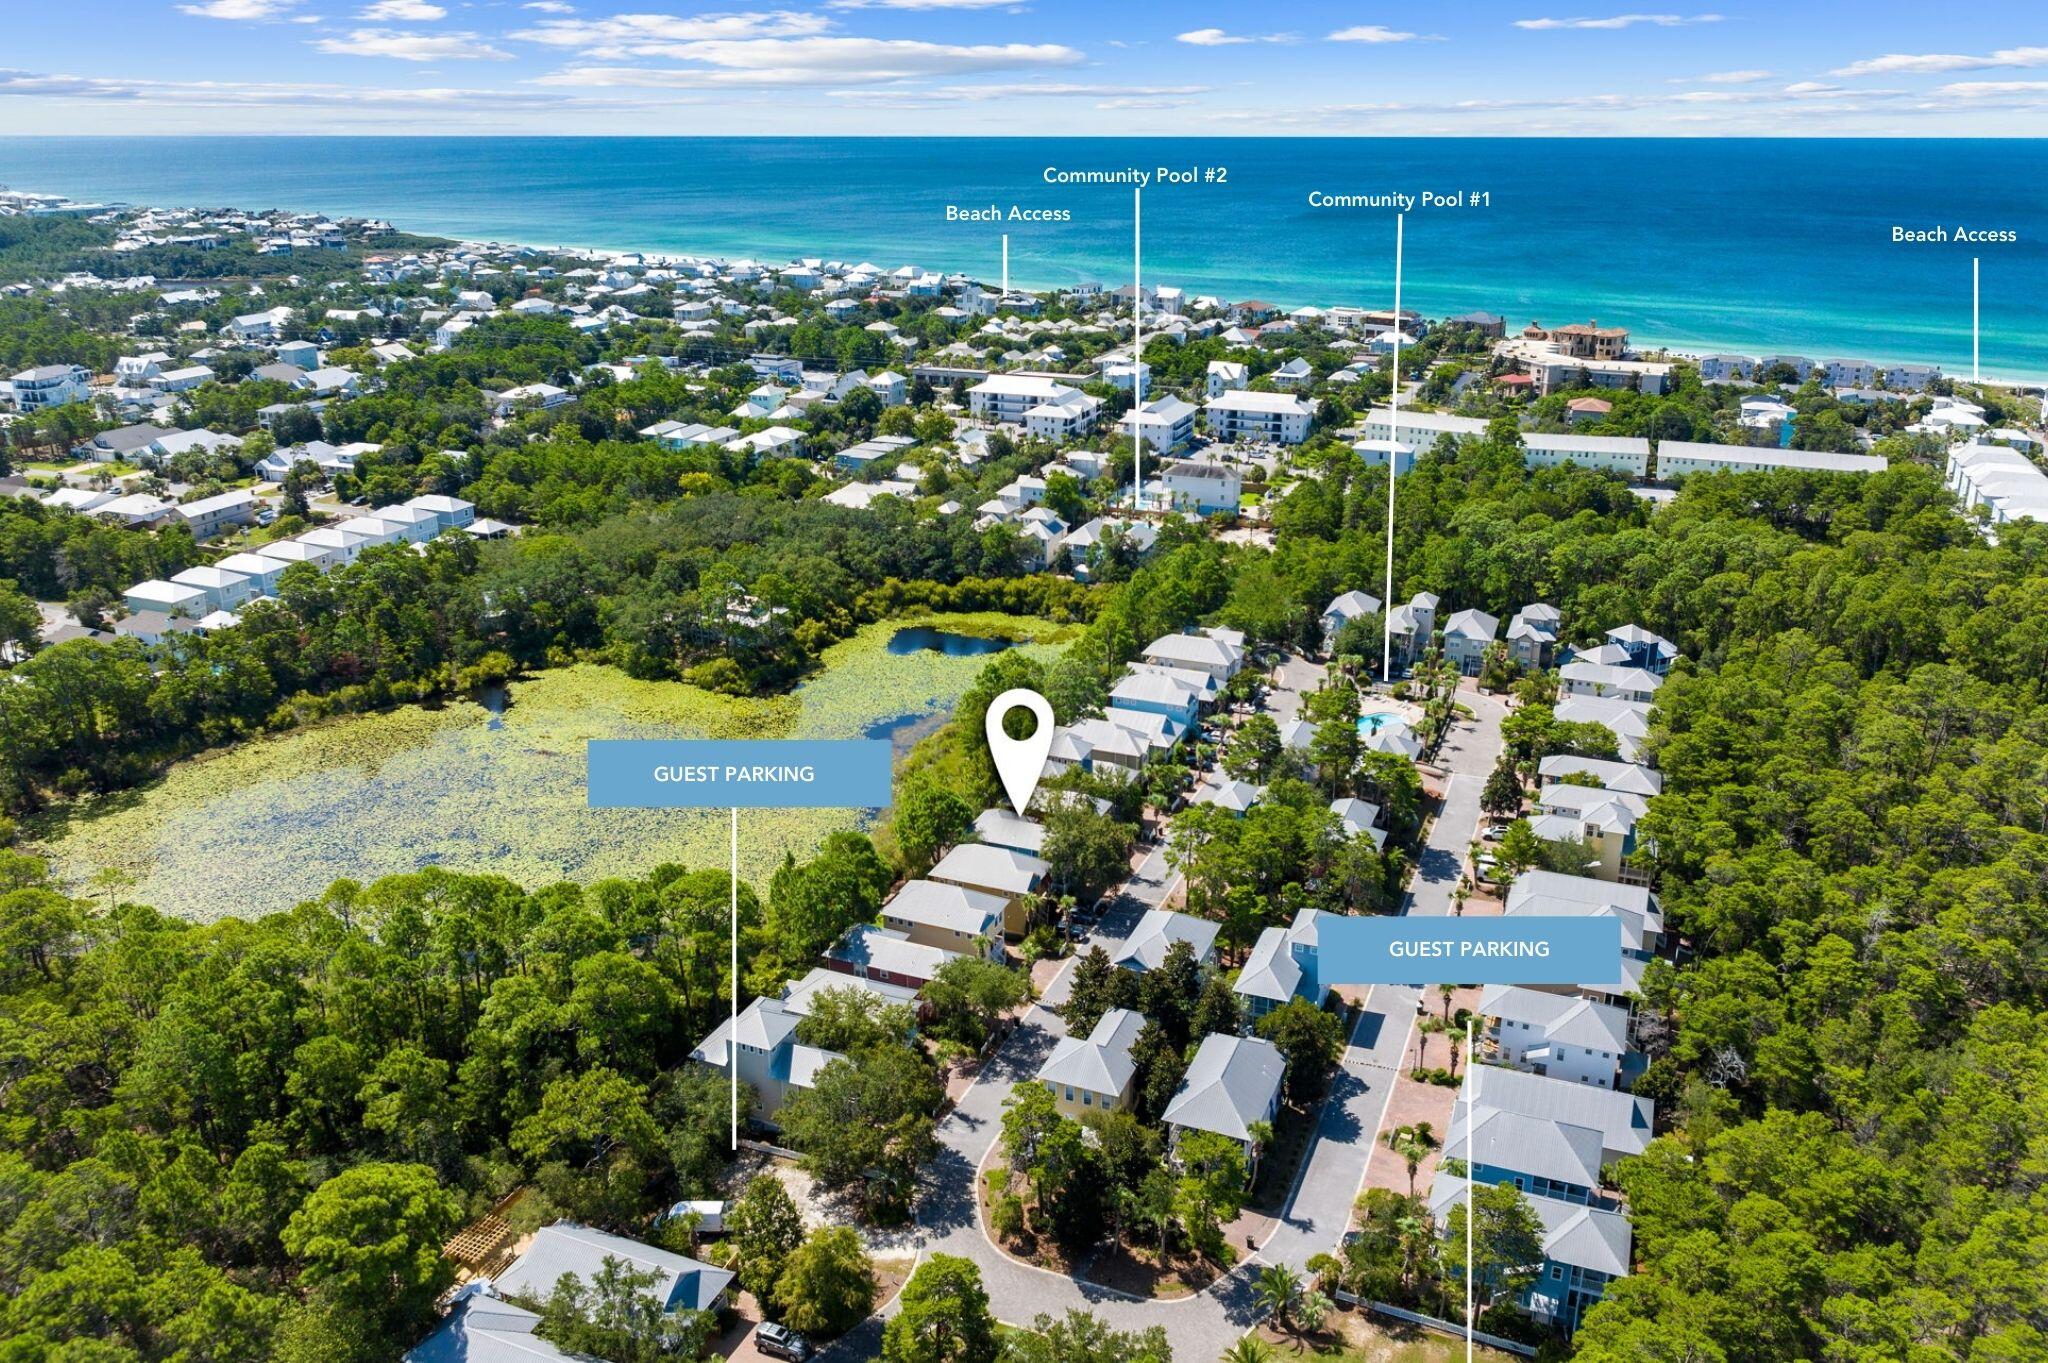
1087,1098
1070,1093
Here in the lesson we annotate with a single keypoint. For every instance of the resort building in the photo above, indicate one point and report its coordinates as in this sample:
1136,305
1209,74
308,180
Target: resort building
1265,418
1164,424
1201,487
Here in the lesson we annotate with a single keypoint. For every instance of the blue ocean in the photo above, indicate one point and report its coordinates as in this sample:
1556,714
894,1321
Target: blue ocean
1759,246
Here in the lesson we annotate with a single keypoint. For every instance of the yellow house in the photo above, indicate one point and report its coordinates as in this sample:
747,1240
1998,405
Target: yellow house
1093,1074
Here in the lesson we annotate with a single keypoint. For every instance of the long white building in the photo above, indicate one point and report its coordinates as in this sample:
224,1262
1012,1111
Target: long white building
1678,458
1274,418
1421,429
1624,454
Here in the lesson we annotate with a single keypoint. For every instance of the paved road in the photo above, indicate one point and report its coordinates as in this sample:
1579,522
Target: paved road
1320,1207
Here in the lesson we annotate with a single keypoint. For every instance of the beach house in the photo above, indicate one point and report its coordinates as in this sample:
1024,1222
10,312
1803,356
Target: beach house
1094,1073
1231,1088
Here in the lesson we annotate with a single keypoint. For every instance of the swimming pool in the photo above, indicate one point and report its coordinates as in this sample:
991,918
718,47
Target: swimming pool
1370,724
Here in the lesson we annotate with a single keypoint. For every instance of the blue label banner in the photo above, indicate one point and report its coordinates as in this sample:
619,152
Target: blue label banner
852,773
1412,950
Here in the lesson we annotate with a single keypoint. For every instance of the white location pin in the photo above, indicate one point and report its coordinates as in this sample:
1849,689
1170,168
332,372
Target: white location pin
1020,761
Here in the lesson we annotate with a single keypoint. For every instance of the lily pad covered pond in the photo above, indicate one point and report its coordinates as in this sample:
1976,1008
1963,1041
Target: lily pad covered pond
261,827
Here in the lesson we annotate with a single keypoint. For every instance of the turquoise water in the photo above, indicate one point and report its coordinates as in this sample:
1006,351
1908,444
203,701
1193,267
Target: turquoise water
1368,725
1752,245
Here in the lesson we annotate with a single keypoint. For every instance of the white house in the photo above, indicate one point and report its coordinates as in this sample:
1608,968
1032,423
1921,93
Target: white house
1201,486
208,516
1226,376
1165,424
50,385
1565,1038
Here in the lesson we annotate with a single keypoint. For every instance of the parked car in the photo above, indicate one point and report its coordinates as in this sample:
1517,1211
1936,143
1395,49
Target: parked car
779,1341
1496,831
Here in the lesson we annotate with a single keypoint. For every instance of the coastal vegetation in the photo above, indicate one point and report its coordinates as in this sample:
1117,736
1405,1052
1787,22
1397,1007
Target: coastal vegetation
495,787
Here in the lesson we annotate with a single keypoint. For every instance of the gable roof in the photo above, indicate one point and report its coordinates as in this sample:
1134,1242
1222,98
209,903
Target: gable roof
1623,1120
683,1283
1560,1017
1560,1151
945,906
1101,1061
1231,1083
982,866
1155,934
1574,1235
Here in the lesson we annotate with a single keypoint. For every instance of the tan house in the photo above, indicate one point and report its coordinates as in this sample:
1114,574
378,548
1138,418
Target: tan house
1011,875
948,917
1094,1073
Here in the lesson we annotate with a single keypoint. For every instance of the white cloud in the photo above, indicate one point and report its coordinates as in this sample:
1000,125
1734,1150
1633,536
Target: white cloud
1371,33
408,11
1216,37
1899,63
1991,89
1726,78
1621,21
251,94
247,10
975,94
411,47
813,61
549,6
645,35
917,4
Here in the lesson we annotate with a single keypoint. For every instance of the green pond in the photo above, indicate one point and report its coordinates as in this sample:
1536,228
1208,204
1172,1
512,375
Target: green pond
262,826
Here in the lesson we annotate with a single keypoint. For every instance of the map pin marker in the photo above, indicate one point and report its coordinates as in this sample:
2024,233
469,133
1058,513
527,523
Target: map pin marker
1020,761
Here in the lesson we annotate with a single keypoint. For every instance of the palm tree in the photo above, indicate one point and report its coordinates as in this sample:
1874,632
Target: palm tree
1250,1349
1413,1144
1279,1292
1445,990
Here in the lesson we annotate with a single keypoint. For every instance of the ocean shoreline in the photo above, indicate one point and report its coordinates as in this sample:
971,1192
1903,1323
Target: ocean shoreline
1687,341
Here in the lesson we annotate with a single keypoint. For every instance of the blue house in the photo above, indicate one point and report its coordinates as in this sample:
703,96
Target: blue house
1584,1249
1652,652
1155,693
1284,964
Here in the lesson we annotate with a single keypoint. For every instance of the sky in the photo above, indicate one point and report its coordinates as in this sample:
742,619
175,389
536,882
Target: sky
1030,67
